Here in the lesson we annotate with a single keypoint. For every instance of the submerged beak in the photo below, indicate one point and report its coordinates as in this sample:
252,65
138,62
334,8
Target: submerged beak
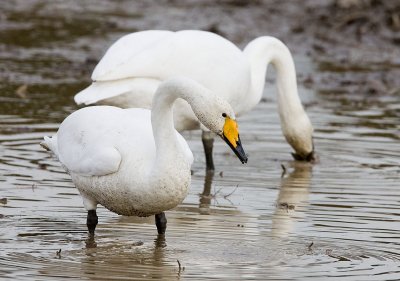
231,137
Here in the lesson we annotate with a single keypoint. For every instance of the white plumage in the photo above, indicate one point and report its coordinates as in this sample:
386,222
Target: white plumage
133,67
133,161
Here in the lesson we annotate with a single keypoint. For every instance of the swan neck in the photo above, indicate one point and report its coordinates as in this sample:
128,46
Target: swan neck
168,149
170,153
295,124
268,50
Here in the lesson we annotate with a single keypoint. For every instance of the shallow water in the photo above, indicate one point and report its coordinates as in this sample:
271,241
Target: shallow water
337,218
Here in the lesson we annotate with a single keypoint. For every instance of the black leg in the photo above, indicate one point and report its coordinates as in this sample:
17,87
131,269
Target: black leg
205,197
161,223
92,221
208,143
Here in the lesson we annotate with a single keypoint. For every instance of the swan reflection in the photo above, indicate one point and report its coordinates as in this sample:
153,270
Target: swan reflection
292,199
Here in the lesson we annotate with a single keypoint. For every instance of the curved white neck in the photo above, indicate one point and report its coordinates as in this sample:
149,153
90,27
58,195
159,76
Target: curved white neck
263,51
169,151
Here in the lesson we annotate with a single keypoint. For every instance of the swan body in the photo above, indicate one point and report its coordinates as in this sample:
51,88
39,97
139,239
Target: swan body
133,67
133,161
109,153
137,63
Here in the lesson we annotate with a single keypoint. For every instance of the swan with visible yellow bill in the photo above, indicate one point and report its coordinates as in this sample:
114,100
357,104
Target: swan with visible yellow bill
133,67
133,161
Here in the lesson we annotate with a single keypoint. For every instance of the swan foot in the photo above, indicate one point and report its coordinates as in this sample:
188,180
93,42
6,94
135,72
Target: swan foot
160,242
92,221
90,242
311,157
208,144
161,223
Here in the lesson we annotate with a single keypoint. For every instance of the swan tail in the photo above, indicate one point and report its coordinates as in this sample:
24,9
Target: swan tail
104,90
50,144
98,91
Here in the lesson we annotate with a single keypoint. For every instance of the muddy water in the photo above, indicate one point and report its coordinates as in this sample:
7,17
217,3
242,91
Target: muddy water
337,218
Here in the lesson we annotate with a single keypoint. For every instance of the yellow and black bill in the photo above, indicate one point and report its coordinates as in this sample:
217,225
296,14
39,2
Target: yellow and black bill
231,136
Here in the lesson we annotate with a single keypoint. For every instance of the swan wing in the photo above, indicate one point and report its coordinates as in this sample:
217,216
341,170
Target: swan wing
162,54
85,145
136,50
95,161
139,61
129,65
87,161
93,141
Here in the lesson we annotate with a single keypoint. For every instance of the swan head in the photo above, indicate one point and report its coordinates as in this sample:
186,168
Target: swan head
218,116
299,134
213,112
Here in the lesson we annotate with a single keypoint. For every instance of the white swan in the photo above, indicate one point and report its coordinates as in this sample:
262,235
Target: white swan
132,68
133,161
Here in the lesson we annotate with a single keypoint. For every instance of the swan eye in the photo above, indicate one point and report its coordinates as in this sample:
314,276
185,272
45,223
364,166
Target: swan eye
223,114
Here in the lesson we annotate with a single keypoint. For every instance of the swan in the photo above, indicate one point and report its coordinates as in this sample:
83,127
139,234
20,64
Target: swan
137,63
133,161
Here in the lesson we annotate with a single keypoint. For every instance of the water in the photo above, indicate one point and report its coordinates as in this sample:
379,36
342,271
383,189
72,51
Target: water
337,218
